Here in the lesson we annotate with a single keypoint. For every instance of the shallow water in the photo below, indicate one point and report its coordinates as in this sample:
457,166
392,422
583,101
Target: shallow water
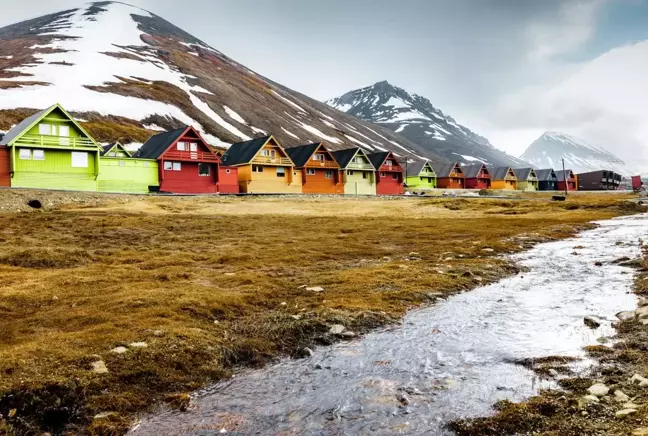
450,360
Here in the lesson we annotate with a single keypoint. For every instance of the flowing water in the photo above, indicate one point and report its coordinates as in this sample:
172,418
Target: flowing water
450,360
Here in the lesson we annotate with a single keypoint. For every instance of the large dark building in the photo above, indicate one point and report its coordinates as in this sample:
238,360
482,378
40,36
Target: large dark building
602,180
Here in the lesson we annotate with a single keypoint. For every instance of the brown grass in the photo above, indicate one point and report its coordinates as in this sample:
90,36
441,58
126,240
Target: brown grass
212,283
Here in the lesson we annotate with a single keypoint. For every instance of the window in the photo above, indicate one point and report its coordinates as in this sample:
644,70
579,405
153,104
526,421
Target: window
168,166
356,160
112,153
329,174
429,179
193,147
204,169
79,159
281,172
388,162
122,163
64,133
394,176
24,154
349,173
365,175
383,174
146,164
182,146
45,129
318,157
257,169
120,154
265,153
39,154
310,172
177,166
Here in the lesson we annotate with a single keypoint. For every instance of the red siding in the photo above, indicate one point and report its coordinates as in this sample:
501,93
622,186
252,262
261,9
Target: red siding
387,185
188,181
478,183
5,167
450,183
228,180
571,185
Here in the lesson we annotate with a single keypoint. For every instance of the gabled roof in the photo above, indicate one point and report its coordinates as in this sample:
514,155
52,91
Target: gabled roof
301,154
561,175
414,168
25,125
472,171
343,157
158,144
243,152
525,173
444,169
500,173
378,159
114,147
547,175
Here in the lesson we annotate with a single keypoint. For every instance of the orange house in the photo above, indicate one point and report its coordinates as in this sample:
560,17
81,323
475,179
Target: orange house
320,172
449,175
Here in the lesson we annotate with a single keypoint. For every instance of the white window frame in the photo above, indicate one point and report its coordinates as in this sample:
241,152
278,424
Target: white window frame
318,157
168,165
328,174
64,139
181,146
38,154
208,170
79,159
281,172
177,166
50,129
193,146
24,154
310,171
265,153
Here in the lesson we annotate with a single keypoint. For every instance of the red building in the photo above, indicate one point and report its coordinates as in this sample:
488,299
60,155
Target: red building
477,176
5,166
449,176
187,164
389,173
566,178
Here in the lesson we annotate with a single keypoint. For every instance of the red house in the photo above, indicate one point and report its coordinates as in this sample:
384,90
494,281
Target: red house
389,173
187,164
566,178
227,178
477,176
5,166
449,175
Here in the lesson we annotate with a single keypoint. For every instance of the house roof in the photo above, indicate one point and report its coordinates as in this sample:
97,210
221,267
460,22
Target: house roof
28,122
158,144
378,159
302,153
472,171
545,175
444,169
109,147
413,169
343,157
524,173
500,173
243,152
561,175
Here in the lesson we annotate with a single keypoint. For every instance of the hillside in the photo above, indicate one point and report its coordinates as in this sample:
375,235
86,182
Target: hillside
415,118
548,151
128,73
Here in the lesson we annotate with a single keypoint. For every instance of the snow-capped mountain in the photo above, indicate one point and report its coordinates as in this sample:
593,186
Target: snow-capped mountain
415,118
127,73
549,150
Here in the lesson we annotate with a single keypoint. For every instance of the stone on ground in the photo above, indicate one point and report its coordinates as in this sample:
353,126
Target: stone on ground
624,316
99,367
119,350
625,412
592,322
621,397
337,329
315,289
598,390
138,345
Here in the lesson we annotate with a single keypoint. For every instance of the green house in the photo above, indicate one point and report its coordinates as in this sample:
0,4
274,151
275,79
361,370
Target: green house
420,175
50,150
121,172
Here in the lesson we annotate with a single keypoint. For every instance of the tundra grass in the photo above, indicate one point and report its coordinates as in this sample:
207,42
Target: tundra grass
192,288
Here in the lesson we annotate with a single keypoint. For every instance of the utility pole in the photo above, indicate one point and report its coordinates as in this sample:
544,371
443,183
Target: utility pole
564,176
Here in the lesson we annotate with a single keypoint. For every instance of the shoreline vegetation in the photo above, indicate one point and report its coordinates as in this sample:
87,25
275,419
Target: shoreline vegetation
611,399
113,305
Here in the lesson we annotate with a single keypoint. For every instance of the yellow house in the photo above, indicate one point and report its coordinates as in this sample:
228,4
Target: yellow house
264,167
503,178
359,174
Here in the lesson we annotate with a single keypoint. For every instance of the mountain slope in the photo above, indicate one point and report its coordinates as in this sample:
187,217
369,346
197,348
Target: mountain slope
548,150
415,118
128,73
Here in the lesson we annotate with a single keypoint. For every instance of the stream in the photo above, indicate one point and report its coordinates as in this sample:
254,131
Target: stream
448,361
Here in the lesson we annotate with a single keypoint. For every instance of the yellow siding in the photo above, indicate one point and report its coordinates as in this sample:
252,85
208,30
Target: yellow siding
357,184
268,182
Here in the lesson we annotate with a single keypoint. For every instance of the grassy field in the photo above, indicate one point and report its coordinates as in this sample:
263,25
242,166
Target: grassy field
187,289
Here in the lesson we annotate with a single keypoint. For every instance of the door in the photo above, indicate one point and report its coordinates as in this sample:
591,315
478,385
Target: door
64,135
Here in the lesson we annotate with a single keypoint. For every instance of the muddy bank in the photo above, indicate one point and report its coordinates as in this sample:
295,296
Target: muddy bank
445,362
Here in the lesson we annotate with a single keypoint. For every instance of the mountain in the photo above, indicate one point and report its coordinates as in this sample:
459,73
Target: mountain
415,118
128,73
548,150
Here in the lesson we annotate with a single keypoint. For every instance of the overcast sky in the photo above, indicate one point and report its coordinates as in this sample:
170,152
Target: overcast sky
508,69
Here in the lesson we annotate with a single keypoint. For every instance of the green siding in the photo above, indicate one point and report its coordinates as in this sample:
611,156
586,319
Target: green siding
57,118
134,177
428,182
54,172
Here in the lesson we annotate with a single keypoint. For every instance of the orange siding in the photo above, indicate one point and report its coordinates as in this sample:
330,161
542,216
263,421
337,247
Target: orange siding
319,184
5,167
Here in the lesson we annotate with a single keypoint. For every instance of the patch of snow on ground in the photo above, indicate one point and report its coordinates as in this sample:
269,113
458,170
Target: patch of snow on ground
257,130
350,126
440,129
326,116
360,143
401,128
233,115
406,116
343,107
322,135
397,103
291,134
154,127
133,146
6,57
470,158
328,123
290,102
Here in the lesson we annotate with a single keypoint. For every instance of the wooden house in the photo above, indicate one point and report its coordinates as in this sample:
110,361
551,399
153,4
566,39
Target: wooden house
320,172
449,175
566,180
359,174
527,179
419,174
263,167
547,180
503,178
602,180
389,173
50,150
478,176
186,163
5,166
121,172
